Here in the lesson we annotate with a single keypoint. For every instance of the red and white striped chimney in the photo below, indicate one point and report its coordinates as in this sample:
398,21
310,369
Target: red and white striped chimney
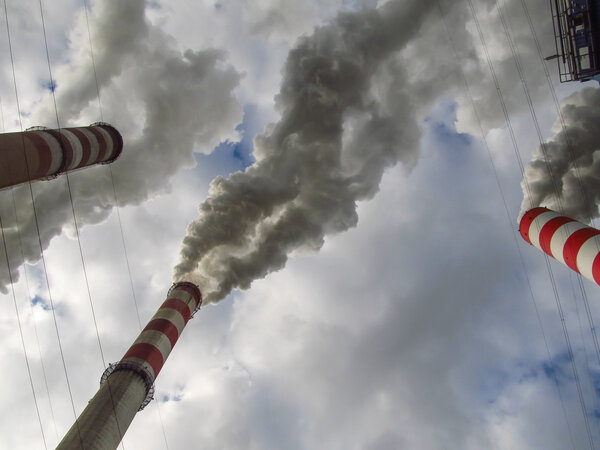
128,386
566,240
40,153
154,344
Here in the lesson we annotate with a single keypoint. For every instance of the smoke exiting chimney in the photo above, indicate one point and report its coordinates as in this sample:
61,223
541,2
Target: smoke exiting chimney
563,174
340,127
566,240
127,386
40,153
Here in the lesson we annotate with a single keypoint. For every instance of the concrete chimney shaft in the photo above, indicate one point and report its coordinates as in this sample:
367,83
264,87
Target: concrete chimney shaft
127,386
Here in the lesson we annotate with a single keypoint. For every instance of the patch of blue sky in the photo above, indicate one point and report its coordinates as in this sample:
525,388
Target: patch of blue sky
50,85
35,273
559,370
594,375
37,282
550,370
440,125
229,157
172,397
37,300
455,158
495,381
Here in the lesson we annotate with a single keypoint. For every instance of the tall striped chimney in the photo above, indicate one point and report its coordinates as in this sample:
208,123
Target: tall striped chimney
566,240
39,153
128,386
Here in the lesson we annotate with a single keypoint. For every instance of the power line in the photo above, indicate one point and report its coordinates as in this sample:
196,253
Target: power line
543,147
583,340
549,268
87,284
542,61
35,214
76,224
509,219
578,176
37,338
37,410
117,207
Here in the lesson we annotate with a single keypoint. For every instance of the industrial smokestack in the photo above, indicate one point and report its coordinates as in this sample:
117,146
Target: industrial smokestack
128,386
566,240
40,153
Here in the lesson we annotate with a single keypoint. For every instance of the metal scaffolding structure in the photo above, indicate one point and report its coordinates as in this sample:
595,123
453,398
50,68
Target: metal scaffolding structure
576,32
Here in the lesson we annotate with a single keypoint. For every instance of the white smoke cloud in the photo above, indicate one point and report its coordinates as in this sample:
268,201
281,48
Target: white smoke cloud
167,104
336,135
565,176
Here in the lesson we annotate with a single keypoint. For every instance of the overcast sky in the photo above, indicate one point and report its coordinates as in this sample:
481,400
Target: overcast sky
355,235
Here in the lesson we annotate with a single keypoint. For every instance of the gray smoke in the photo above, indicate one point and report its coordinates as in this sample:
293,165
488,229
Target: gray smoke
567,177
167,104
352,96
341,125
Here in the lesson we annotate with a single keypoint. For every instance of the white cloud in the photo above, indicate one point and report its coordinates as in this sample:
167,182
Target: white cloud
413,330
181,101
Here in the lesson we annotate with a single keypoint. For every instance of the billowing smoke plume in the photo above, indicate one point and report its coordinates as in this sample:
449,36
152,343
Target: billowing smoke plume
566,176
352,96
167,105
337,134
